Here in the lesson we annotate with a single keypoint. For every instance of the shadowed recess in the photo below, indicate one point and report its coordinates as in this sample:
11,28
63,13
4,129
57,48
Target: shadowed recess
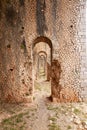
54,7
40,17
0,4
10,15
0,8
21,2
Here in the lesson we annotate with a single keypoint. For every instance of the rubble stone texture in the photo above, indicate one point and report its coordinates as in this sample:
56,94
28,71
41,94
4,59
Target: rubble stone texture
48,72
60,22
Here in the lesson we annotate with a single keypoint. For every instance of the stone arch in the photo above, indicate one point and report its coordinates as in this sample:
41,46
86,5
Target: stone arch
48,66
45,40
43,55
42,52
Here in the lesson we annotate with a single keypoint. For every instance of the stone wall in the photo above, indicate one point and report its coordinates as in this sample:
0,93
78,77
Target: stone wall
15,67
72,48
83,48
63,23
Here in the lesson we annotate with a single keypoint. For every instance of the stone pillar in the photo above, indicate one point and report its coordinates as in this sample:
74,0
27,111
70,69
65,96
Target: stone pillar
55,77
59,93
48,71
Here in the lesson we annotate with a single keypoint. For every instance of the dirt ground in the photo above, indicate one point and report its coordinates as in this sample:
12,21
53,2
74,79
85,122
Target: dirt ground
43,114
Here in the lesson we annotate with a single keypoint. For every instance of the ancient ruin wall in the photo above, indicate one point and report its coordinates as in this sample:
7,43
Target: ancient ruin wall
72,44
15,65
61,21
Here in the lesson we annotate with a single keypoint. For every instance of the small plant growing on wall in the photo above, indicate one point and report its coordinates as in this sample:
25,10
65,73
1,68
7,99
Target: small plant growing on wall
23,44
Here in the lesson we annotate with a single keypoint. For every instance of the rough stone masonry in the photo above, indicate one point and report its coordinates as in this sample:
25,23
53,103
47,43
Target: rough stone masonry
61,24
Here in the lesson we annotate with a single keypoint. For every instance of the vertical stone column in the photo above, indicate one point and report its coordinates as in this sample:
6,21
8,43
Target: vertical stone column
55,77
59,93
48,71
